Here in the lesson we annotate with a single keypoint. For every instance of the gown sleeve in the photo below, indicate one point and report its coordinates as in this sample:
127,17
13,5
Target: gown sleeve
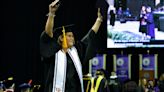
88,37
48,45
90,46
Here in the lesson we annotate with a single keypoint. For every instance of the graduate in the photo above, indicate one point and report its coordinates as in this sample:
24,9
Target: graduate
9,84
65,56
100,82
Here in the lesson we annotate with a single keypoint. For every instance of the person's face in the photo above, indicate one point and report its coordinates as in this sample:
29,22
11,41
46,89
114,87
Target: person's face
70,39
144,81
151,83
148,9
143,8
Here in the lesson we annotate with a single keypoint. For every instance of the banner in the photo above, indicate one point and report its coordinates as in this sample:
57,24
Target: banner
98,62
148,64
122,66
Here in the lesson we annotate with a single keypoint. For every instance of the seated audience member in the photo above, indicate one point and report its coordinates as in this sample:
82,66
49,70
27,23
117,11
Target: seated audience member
142,85
114,84
130,86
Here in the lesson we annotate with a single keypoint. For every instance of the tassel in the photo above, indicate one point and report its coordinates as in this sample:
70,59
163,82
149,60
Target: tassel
64,44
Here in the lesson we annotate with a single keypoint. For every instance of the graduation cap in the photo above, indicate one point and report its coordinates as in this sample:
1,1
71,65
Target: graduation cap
24,87
67,28
9,83
100,72
61,31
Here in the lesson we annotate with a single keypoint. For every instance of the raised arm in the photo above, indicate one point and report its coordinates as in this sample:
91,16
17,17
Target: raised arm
97,24
48,44
50,21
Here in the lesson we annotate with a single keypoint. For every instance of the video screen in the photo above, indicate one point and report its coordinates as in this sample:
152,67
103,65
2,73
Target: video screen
136,24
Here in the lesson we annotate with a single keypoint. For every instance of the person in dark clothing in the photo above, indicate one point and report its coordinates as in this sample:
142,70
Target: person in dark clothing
130,86
9,84
112,18
87,82
142,19
100,83
142,85
114,83
65,56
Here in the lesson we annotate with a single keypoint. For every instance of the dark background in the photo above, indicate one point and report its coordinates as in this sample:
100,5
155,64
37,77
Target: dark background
24,20
22,23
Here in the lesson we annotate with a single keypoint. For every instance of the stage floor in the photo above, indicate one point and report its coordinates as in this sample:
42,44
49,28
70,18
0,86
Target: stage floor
130,29
133,26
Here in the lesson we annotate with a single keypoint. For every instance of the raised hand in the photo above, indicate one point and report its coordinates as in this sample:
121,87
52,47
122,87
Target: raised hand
100,17
53,7
50,21
97,24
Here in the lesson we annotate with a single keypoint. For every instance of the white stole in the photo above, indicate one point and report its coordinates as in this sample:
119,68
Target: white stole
61,66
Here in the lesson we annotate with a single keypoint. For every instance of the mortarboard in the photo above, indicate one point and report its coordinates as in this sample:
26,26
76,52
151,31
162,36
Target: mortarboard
68,28
24,86
61,31
9,83
103,5
100,71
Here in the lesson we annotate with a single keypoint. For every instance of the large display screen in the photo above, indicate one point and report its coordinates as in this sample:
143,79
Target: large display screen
131,28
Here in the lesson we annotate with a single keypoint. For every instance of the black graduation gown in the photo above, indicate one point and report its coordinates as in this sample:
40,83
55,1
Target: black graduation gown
103,87
48,48
112,18
142,27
